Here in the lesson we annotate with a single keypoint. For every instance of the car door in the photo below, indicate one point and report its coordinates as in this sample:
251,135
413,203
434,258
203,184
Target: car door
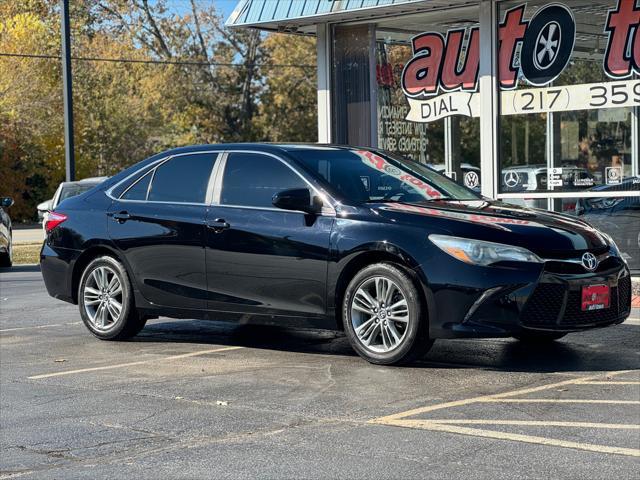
158,224
261,259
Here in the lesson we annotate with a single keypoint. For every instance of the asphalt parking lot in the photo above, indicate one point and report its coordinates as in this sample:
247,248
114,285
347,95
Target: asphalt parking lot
189,399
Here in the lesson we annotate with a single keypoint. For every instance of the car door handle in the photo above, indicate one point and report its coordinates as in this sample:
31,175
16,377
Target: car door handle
121,217
218,225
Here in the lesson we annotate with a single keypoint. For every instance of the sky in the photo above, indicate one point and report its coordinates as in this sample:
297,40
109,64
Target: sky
224,7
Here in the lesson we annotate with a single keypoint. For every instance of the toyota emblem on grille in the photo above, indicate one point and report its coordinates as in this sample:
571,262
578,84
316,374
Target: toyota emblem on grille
589,261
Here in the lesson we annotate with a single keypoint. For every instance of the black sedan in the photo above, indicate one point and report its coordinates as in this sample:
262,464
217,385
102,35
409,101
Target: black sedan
386,249
6,239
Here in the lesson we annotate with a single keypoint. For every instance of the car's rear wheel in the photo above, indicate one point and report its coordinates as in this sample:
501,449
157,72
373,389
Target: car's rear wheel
538,337
383,316
106,300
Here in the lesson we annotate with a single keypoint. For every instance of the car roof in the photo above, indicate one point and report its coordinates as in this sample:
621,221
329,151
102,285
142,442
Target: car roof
85,181
258,146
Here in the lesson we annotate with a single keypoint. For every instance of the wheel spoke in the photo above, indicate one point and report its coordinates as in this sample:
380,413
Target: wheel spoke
114,285
389,294
114,312
381,289
365,300
117,305
394,333
370,334
385,340
364,325
88,291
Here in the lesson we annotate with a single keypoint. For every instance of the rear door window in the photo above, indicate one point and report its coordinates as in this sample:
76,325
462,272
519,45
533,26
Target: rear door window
182,179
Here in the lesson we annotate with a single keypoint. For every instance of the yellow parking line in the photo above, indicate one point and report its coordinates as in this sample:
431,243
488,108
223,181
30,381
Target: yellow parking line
475,432
467,401
130,364
533,423
557,400
630,382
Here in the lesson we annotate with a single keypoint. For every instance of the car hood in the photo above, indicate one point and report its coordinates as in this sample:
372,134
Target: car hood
545,233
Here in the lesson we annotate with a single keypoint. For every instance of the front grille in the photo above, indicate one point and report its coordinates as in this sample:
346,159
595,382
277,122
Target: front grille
544,305
544,309
624,293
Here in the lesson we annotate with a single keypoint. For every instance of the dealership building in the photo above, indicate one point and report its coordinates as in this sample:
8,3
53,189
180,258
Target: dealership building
531,102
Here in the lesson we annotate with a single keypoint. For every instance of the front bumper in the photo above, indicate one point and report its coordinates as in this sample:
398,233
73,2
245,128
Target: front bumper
550,301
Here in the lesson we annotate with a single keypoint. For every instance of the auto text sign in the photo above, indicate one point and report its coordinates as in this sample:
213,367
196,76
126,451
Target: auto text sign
441,79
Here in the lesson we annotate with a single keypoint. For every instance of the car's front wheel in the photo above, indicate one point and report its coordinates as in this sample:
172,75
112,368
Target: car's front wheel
383,316
106,302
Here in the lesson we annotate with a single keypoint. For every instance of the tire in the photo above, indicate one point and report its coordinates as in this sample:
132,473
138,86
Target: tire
539,337
380,340
6,259
102,317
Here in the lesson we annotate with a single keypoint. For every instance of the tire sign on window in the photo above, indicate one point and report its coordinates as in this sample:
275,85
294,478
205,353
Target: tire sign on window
437,86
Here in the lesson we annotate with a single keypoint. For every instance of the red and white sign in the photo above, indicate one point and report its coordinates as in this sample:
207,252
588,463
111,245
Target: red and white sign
595,297
438,85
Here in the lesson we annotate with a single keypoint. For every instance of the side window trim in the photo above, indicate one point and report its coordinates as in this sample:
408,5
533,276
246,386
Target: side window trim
215,181
327,209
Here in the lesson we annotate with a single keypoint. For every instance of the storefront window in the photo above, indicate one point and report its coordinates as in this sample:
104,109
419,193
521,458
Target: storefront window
421,59
617,216
568,91
352,107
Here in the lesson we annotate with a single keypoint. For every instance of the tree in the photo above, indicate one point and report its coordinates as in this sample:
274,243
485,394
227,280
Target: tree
288,106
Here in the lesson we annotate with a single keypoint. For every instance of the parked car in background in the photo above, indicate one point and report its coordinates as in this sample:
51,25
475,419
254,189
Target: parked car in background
6,238
354,239
67,190
620,216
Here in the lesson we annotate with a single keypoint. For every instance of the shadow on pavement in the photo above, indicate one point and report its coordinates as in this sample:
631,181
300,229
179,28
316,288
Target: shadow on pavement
570,354
21,268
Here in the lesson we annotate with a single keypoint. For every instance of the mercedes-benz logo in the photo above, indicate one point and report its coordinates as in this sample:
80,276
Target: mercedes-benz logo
589,261
511,179
547,45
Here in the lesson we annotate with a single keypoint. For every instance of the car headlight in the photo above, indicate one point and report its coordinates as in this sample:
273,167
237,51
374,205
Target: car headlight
478,252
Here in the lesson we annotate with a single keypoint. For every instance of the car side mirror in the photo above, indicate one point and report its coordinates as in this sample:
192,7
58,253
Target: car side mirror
297,199
6,202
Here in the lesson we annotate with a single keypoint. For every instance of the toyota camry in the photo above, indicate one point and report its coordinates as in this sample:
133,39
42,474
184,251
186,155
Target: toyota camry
355,239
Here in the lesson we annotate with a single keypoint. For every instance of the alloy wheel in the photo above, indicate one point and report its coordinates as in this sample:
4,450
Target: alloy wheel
379,314
102,297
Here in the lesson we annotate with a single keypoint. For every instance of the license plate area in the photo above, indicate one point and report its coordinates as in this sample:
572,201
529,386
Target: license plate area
595,297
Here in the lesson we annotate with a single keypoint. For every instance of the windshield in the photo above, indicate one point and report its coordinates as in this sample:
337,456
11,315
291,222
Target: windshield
73,190
365,176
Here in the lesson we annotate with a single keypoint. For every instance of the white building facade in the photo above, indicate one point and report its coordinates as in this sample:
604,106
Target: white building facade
532,102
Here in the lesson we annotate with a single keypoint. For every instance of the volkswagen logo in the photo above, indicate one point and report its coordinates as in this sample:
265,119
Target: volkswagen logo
471,179
589,261
511,179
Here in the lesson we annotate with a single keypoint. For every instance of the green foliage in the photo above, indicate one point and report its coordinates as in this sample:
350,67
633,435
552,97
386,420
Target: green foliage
125,112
